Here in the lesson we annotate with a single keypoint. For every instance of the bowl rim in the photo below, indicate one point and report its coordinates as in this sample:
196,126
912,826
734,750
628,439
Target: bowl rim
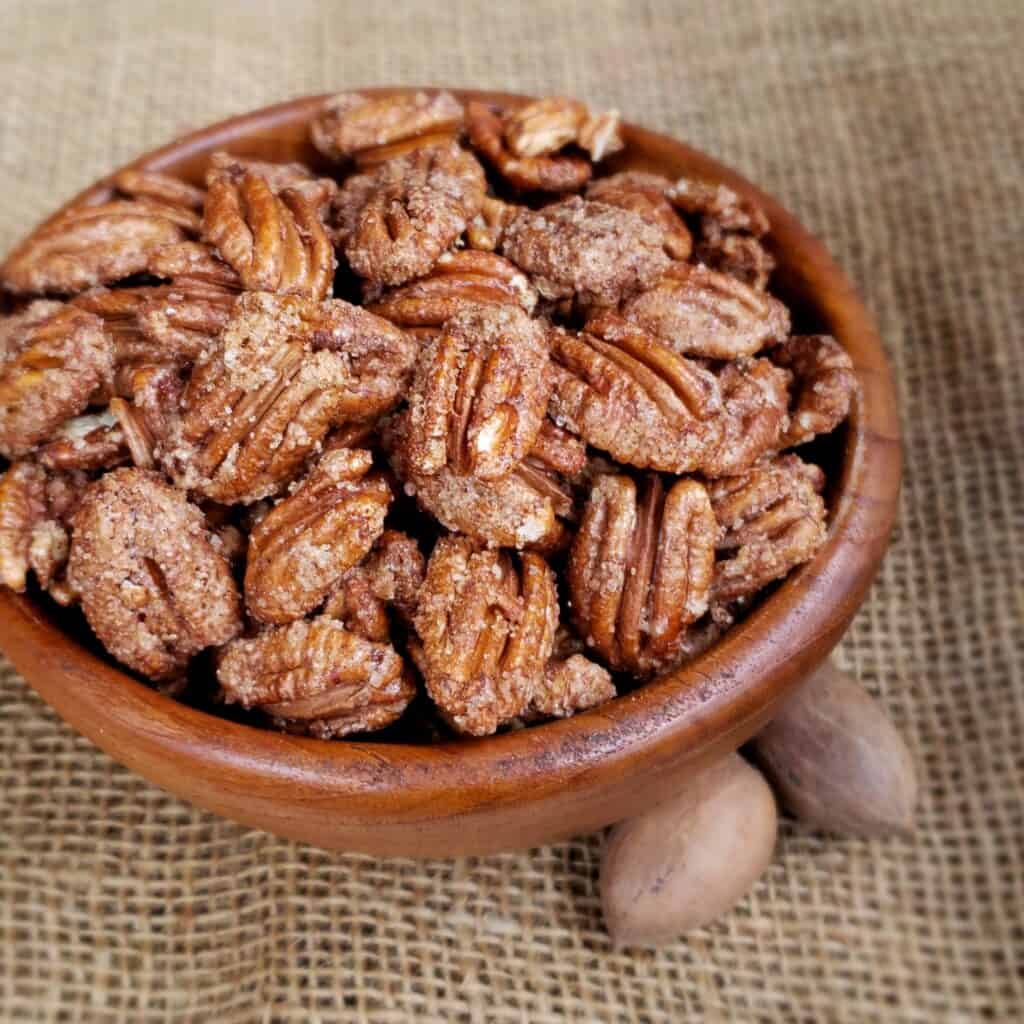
725,692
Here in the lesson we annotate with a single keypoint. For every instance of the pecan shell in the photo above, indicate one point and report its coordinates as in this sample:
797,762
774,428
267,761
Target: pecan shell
306,544
700,312
479,394
486,630
153,586
640,569
317,677
770,520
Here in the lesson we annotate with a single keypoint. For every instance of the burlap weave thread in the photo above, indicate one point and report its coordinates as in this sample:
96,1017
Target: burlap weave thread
893,129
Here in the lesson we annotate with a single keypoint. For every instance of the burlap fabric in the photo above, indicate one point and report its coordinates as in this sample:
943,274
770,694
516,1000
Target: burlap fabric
890,128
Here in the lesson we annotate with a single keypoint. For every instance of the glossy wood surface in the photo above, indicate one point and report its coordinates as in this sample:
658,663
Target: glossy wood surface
544,783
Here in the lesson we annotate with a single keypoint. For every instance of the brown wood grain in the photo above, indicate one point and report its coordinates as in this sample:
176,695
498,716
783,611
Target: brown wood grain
550,781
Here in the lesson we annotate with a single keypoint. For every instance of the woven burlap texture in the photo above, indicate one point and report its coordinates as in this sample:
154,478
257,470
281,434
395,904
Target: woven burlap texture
890,129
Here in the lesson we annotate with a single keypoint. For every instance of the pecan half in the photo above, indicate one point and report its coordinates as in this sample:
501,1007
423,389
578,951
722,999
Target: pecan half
303,547
91,245
160,188
284,372
90,442
189,264
518,511
317,677
741,256
560,172
23,515
544,126
697,311
395,221
390,576
56,358
486,230
770,520
825,385
640,569
644,194
279,177
153,586
459,277
755,417
569,686
373,129
487,631
479,394
558,450
623,391
718,204
275,243
595,252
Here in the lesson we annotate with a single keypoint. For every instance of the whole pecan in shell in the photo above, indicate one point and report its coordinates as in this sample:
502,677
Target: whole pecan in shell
640,569
311,538
152,585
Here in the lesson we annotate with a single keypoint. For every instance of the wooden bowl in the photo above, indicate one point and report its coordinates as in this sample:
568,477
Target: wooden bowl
554,780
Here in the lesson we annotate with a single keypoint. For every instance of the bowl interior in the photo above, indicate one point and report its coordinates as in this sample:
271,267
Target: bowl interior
562,776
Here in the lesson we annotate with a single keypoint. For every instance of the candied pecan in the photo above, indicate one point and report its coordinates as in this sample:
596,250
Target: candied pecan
284,372
644,194
279,177
738,255
825,385
156,394
770,519
90,442
558,450
600,134
23,509
755,402
700,312
595,252
188,264
373,129
390,575
640,569
457,278
56,358
154,588
487,631
479,394
160,188
486,230
395,221
90,245
718,205
561,172
623,391
316,676
544,126
570,685
516,511
276,243
311,538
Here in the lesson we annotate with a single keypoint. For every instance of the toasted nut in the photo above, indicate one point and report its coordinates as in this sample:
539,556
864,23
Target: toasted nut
594,252
353,125
458,278
640,570
770,520
622,390
569,686
154,588
486,230
479,394
644,194
90,442
56,358
837,762
275,243
601,135
396,221
544,126
718,205
689,860
316,676
825,385
699,312
741,256
487,632
299,552
91,245
279,177
161,188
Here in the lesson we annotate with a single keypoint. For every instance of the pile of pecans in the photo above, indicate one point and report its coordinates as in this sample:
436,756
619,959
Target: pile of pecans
543,457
